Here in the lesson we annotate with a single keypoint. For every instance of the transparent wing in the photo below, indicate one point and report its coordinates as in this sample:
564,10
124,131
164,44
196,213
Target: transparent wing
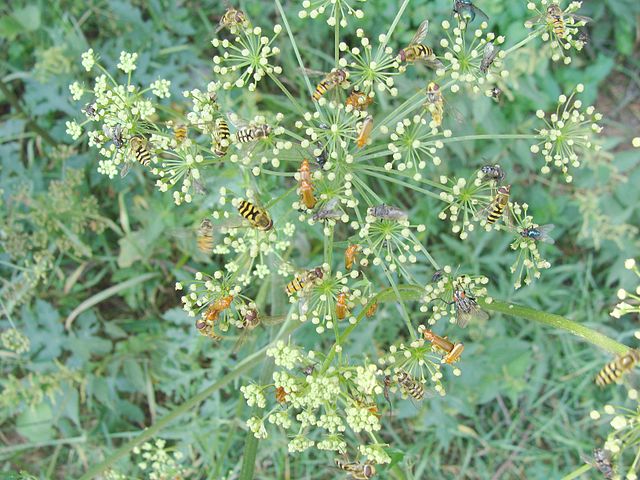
198,187
273,320
236,120
536,19
432,62
480,12
313,73
544,233
474,313
579,18
421,33
124,171
242,339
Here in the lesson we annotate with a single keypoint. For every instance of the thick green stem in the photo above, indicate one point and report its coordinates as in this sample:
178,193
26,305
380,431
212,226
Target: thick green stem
578,472
491,136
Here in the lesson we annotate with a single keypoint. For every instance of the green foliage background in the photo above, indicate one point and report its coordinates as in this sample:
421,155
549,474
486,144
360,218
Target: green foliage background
520,409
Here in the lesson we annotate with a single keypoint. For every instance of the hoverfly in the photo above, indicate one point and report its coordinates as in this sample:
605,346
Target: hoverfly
180,132
350,255
205,236
258,217
556,18
221,137
411,386
251,318
140,149
465,9
365,132
466,308
302,280
497,207
614,370
358,100
248,133
540,234
493,172
387,212
490,53
452,350
357,470
435,105
336,78
416,51
233,19
603,463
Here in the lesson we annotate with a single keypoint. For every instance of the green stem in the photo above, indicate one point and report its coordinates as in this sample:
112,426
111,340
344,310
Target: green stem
524,41
490,136
578,472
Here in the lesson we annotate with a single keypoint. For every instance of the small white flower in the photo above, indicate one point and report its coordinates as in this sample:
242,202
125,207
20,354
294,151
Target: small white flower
127,62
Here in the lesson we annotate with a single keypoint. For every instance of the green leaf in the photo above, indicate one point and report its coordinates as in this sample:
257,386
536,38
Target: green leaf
624,36
133,372
28,17
36,424
9,27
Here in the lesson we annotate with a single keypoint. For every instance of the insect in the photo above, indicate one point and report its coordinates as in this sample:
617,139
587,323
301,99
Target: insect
206,325
490,53
328,212
493,172
387,212
437,276
233,19
331,80
603,463
321,158
350,255
180,132
540,234
115,134
371,311
365,132
411,386
306,187
388,380
435,103
452,350
302,280
556,18
495,93
89,109
583,37
248,133
465,9
358,100
466,308
281,395
357,470
205,236
498,205
342,309
416,51
305,170
613,371
250,321
258,217
140,150
221,137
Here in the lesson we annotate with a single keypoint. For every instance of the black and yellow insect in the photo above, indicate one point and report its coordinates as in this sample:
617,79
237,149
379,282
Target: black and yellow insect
357,470
205,236
499,204
252,133
258,217
140,150
613,371
411,386
180,132
330,81
302,280
221,137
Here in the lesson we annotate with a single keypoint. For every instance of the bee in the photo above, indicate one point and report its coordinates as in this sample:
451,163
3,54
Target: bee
603,463
342,309
387,212
371,311
613,371
466,308
435,103
416,51
495,93
358,100
139,148
490,53
301,281
365,132
281,395
499,204
180,132
337,77
437,276
493,172
114,134
411,386
467,10
328,212
556,18
540,234
350,255
306,193
221,137
357,470
452,350
206,325
233,19
258,217
205,236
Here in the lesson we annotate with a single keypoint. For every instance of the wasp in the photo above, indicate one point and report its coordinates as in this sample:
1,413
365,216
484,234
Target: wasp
281,395
452,350
489,55
333,79
465,9
328,212
221,137
411,386
387,212
365,132
115,134
180,133
358,100
613,371
493,172
556,18
342,309
603,463
258,217
301,281
416,51
357,470
466,308
139,148
205,236
350,255
206,325
233,19
498,206
540,234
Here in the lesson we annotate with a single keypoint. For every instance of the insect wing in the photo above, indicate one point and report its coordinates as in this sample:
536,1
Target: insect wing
579,18
312,73
125,169
421,33
466,310
432,62
490,53
544,233
273,320
236,121
480,12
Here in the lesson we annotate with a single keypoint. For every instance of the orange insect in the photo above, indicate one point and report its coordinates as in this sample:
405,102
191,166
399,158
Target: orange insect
371,311
206,325
365,131
350,255
453,350
305,171
358,100
281,395
341,306
306,193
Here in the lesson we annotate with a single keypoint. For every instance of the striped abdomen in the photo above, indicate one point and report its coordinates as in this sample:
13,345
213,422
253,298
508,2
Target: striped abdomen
295,285
558,25
613,371
221,133
499,204
323,87
248,210
140,150
180,132
415,52
245,135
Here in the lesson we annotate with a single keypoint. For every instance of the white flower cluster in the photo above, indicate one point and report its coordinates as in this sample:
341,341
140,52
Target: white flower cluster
630,300
127,62
338,10
256,425
253,395
284,355
366,379
160,88
360,418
